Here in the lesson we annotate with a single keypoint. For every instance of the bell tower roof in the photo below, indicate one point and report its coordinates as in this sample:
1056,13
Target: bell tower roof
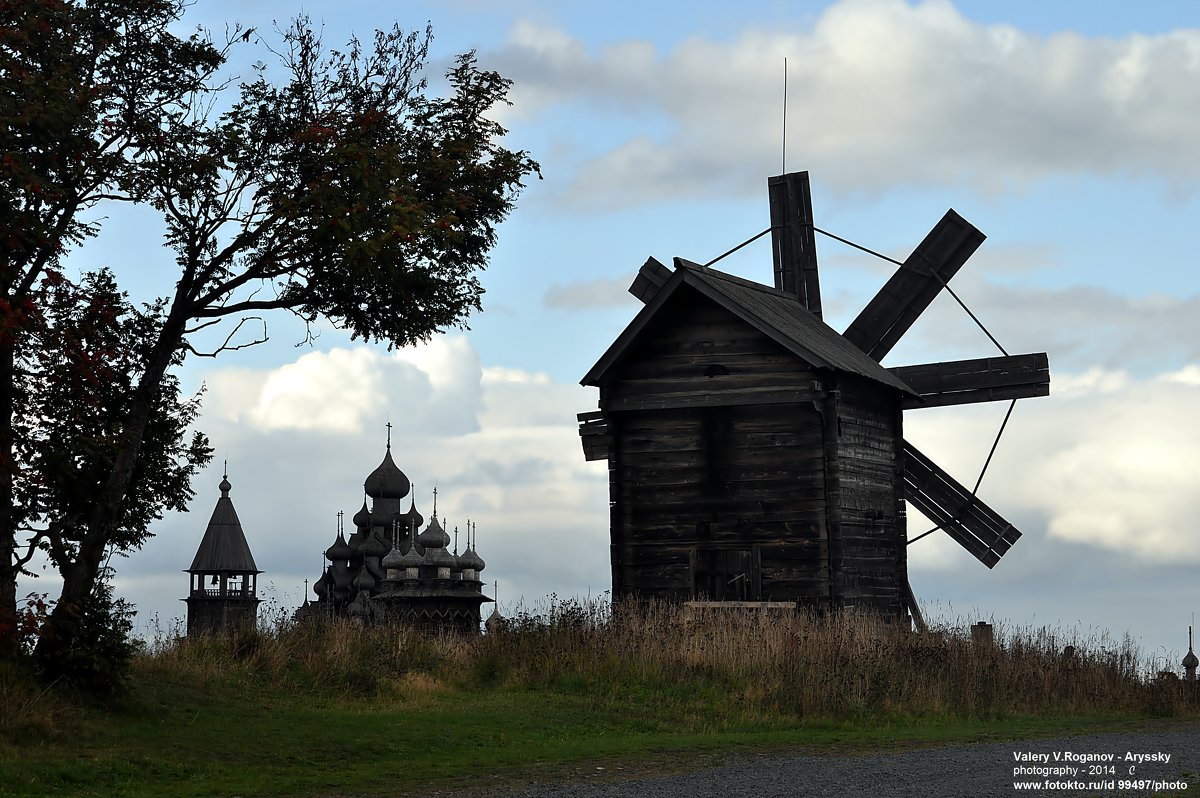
224,546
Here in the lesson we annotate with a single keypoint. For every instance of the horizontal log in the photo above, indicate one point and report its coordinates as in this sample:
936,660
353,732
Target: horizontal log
698,365
980,380
650,278
593,435
701,398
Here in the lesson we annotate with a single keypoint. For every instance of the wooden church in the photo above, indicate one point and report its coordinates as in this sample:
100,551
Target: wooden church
755,454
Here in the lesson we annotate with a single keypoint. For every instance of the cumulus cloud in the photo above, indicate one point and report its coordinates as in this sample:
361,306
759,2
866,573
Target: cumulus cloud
434,388
1106,463
500,444
880,92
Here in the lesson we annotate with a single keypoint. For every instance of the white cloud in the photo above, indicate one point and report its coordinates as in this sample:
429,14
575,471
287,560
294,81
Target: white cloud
880,92
500,443
435,387
1109,462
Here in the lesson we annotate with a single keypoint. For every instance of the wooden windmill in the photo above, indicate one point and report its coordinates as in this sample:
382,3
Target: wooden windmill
757,455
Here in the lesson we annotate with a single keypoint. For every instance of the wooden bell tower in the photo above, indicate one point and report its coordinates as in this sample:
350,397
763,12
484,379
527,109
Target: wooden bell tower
223,579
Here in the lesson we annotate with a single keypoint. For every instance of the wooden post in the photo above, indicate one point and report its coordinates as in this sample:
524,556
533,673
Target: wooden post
833,494
793,239
982,634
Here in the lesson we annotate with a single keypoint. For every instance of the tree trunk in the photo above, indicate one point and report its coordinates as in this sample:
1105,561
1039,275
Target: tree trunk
10,640
79,577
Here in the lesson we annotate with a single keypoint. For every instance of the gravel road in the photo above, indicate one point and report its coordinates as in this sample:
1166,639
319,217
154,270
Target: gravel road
981,770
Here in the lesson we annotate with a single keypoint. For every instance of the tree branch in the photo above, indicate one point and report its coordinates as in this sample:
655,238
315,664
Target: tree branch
225,347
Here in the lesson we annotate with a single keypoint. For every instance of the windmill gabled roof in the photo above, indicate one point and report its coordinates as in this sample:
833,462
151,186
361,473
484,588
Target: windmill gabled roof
224,546
775,313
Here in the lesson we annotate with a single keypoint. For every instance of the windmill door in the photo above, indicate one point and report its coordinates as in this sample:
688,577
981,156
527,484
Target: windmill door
726,575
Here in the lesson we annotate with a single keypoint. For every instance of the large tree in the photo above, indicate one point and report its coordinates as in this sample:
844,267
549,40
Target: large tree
81,86
344,191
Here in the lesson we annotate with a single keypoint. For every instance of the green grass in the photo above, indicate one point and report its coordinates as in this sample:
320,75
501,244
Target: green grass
174,737
338,711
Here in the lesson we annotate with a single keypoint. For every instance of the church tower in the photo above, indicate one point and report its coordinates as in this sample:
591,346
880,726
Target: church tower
223,578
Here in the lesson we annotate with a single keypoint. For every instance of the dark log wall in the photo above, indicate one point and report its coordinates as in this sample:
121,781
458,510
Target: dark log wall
717,463
766,499
871,529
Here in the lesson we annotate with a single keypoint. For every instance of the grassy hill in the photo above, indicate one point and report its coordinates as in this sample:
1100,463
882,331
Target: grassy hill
574,692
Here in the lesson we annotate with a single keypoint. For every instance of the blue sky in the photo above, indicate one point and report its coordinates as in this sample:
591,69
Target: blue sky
1066,132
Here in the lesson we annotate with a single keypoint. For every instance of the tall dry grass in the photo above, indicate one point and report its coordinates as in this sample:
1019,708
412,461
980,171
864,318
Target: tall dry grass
843,666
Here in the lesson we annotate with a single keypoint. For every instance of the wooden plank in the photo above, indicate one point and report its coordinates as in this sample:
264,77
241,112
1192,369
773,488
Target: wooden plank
970,522
701,365
793,240
748,396
720,380
976,397
914,285
910,603
593,435
980,380
650,278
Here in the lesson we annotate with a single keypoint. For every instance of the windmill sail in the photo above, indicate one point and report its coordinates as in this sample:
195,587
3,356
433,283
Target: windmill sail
987,379
793,239
975,526
914,285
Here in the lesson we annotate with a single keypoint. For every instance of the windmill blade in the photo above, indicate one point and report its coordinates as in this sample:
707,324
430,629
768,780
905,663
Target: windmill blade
988,379
793,241
914,285
651,277
975,526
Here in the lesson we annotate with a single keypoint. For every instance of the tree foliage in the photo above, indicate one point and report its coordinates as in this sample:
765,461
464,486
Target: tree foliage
346,191
79,362
82,87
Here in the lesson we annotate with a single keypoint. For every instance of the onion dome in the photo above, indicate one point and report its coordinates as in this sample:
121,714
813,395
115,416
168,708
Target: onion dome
412,559
393,560
494,622
322,586
1190,661
387,481
441,558
340,550
364,580
433,536
363,517
469,559
413,517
